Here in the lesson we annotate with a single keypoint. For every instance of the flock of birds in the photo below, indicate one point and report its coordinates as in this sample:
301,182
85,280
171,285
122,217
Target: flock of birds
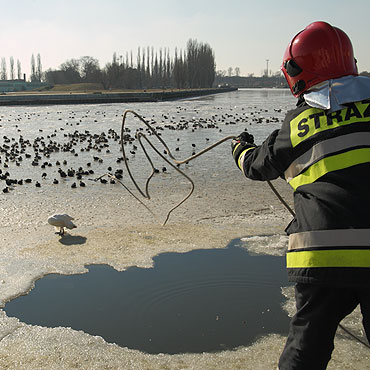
53,156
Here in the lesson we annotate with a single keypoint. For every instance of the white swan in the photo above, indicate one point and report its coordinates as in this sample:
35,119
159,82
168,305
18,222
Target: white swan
62,221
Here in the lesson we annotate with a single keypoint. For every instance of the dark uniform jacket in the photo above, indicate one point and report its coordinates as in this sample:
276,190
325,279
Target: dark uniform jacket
325,157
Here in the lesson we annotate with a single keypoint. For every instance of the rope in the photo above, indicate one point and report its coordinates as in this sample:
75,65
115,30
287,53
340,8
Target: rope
173,162
145,193
362,341
281,198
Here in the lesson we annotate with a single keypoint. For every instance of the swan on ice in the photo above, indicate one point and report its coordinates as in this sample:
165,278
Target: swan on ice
62,221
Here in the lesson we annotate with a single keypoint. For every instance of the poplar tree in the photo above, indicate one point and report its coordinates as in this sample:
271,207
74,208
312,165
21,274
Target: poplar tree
33,76
143,69
160,68
3,73
167,63
11,66
39,68
201,65
148,60
19,70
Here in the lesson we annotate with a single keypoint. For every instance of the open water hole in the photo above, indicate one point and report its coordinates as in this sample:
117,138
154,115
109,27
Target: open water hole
199,301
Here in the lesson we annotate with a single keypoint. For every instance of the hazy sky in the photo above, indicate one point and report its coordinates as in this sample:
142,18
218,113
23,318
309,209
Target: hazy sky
242,33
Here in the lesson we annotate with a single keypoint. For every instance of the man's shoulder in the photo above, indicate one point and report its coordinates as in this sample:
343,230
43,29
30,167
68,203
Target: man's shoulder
300,107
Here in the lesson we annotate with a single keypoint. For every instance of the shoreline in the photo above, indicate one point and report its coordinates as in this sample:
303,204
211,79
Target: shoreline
106,97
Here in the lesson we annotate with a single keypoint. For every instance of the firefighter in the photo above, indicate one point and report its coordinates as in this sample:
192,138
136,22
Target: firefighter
323,151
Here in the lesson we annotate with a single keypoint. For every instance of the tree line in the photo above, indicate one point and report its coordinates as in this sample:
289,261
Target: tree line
15,72
148,68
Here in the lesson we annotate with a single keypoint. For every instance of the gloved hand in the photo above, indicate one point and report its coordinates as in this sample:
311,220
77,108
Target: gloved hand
246,137
240,144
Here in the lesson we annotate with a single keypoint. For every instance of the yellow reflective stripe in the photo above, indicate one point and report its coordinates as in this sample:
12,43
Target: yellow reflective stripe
301,122
329,258
326,148
312,121
236,146
241,157
329,164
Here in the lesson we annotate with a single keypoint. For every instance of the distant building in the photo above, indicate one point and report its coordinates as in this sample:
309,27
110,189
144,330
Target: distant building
252,82
20,85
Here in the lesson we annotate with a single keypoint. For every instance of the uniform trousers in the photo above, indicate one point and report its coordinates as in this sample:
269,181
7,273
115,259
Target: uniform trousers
320,309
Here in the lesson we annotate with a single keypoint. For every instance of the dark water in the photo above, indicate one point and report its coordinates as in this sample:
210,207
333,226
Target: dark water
203,300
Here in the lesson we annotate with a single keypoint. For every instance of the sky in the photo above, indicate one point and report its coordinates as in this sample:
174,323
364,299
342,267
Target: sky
242,33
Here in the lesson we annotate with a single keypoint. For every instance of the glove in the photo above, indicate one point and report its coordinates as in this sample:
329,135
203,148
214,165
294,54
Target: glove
246,137
240,144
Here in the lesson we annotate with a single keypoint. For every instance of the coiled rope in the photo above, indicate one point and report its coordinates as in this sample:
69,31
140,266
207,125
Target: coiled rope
173,163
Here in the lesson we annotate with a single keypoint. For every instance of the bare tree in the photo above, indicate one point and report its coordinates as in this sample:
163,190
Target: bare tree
89,69
148,60
11,66
138,66
200,64
191,62
67,74
237,71
70,72
156,71
71,64
168,68
160,67
143,70
3,72
39,68
33,76
179,70
19,70
152,61
138,58
111,72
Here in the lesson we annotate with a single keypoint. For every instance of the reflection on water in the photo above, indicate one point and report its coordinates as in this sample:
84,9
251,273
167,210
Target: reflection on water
204,300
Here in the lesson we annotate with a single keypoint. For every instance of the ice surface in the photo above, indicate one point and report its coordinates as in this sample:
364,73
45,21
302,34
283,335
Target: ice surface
113,228
275,245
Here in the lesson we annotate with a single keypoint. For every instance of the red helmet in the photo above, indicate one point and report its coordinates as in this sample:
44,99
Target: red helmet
318,53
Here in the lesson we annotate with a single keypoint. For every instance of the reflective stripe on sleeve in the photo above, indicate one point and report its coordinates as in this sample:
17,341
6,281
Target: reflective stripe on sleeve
330,239
241,157
329,258
236,147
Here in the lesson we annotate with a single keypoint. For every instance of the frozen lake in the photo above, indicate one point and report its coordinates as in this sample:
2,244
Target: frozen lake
114,229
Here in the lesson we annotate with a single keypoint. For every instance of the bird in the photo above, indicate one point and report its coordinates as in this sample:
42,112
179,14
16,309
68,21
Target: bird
61,222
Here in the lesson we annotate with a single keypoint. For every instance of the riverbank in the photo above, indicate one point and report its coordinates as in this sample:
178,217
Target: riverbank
102,97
